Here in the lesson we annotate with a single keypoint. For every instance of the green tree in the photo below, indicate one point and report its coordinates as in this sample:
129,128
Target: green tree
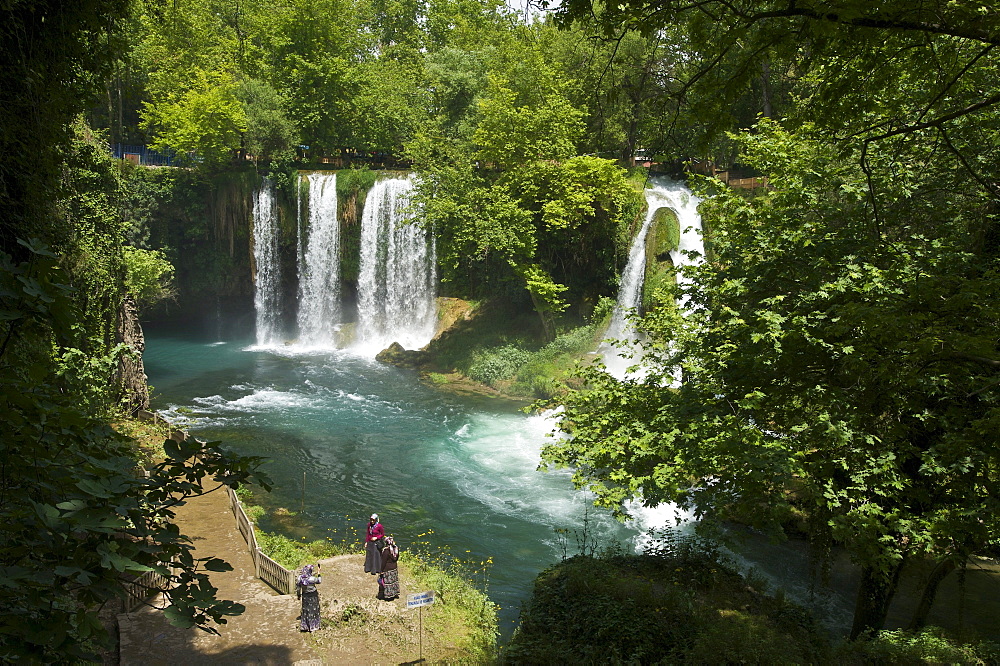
148,275
205,121
75,515
516,200
270,133
829,365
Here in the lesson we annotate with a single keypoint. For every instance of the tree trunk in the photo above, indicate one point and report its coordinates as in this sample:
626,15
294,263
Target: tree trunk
545,313
131,376
631,139
765,89
875,592
938,574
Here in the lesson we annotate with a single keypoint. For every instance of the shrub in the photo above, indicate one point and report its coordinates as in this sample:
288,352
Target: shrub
679,603
497,364
928,646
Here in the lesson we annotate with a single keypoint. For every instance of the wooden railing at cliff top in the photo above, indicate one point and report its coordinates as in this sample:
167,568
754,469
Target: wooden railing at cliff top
730,178
269,571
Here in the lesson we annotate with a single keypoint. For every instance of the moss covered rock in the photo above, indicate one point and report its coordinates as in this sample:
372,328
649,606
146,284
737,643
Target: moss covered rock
663,237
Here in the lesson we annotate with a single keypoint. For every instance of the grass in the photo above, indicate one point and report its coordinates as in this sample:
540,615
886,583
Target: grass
285,550
147,437
462,615
462,622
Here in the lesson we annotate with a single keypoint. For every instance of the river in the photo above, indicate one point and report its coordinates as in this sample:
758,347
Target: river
366,437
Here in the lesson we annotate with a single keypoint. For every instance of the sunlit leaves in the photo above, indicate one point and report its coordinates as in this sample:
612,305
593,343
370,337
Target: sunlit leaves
838,365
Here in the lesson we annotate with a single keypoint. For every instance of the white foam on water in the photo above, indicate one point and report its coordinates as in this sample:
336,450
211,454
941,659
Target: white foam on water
494,460
260,400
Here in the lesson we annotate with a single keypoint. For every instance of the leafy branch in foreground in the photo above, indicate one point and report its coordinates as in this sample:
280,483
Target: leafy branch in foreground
831,364
79,518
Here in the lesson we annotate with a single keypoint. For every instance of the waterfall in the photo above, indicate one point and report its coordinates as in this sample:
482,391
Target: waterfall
663,194
319,265
267,279
396,283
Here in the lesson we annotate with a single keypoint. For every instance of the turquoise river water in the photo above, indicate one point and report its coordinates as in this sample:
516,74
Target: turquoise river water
366,437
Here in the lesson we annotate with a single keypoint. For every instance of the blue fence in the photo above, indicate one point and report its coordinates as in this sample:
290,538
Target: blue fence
140,154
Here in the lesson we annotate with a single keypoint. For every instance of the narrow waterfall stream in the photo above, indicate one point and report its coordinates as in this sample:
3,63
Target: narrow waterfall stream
267,277
397,281
622,353
319,265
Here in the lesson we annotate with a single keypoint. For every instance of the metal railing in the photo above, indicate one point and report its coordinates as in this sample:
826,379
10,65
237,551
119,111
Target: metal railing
141,154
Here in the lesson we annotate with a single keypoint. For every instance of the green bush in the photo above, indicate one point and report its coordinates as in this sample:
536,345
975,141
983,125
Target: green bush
679,603
437,378
355,181
147,275
493,365
602,312
928,646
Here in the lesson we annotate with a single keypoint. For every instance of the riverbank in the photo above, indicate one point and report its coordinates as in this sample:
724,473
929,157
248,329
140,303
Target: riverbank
357,627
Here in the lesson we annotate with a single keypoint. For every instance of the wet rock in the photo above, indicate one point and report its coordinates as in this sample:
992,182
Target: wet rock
394,354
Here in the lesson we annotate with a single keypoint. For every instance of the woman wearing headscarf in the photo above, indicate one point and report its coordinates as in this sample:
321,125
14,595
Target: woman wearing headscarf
374,541
388,580
306,584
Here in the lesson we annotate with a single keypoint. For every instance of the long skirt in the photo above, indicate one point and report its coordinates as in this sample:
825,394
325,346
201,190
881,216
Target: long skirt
309,619
373,558
389,584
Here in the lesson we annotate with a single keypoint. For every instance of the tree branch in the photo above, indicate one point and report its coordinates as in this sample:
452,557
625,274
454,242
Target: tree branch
940,120
874,21
968,167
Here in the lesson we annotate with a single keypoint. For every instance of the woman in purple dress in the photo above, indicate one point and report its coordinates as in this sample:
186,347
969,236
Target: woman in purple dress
306,584
388,580
374,536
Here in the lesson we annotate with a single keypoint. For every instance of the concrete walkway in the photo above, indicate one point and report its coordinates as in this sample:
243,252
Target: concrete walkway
358,628
267,633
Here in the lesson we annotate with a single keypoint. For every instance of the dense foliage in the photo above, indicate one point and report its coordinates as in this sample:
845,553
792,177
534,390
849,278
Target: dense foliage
682,603
841,355
78,517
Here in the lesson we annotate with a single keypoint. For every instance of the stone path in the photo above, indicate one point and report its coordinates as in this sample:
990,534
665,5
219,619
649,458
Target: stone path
268,631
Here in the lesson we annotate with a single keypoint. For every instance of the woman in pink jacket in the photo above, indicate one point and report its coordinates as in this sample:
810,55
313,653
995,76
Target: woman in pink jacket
374,542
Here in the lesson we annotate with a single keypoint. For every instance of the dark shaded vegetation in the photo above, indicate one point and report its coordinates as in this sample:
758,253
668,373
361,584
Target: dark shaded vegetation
78,518
681,603
685,602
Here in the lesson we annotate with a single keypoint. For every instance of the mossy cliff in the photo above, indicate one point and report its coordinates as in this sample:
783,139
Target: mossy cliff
663,237
204,223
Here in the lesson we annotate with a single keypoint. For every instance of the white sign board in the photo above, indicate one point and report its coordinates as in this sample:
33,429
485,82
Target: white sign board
421,599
